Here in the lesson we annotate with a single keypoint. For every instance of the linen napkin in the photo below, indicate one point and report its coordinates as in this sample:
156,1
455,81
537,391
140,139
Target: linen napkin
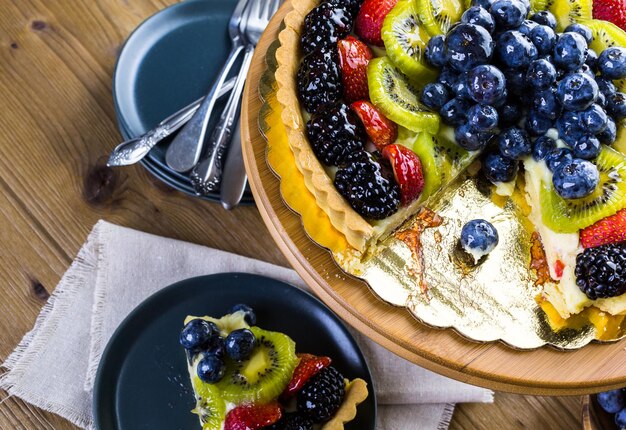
117,269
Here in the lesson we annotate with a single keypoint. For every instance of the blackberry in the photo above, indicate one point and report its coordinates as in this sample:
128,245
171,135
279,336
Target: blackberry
334,133
319,79
324,26
321,397
601,271
292,421
353,6
368,186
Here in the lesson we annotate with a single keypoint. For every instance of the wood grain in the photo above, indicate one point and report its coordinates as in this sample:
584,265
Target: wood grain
57,126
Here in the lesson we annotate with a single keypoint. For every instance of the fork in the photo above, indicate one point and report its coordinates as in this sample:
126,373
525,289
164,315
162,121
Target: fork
207,175
184,151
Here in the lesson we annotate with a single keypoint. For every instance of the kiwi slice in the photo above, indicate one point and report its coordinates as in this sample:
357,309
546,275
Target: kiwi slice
620,141
538,6
405,41
227,323
569,216
210,406
607,35
570,11
437,16
393,94
263,376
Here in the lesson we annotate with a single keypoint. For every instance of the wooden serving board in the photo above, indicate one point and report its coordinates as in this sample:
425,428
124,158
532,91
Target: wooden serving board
545,371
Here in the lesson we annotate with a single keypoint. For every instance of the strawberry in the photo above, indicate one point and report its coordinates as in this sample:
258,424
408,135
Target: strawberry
407,169
252,417
354,56
606,231
611,10
308,367
381,131
369,21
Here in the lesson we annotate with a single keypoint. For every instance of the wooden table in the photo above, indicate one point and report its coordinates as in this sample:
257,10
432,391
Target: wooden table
57,125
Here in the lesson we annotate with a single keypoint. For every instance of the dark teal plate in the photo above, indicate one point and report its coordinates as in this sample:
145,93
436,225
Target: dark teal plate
170,60
142,381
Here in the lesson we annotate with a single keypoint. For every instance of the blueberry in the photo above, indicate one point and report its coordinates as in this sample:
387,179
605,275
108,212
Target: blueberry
471,140
609,134
479,236
560,155
515,81
569,51
249,315
540,74
542,147
545,102
210,369
498,168
612,63
240,343
583,30
461,88
216,347
527,27
448,77
509,114
587,70
537,124
592,59
455,111
570,124
487,84
620,419
616,106
593,119
577,91
545,18
575,179
436,51
586,148
544,38
508,14
467,46
482,117
478,16
485,4
612,401
196,334
601,100
514,143
435,96
606,86
515,50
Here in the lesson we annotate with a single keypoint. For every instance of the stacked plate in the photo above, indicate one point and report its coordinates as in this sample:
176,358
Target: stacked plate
169,61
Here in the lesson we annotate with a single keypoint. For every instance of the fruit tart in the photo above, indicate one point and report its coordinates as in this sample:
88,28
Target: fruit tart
244,377
386,102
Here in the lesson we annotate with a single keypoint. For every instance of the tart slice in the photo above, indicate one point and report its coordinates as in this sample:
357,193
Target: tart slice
246,377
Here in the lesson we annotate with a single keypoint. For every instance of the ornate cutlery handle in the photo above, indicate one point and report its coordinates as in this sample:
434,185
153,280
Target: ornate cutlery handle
221,137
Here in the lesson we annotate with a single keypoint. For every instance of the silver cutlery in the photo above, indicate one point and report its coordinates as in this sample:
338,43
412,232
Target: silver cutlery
207,175
184,151
235,177
134,150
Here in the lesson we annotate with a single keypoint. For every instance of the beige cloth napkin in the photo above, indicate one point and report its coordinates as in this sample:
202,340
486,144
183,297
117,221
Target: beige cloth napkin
117,269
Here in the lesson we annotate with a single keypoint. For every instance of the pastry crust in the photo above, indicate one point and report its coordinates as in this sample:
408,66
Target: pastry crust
352,225
356,392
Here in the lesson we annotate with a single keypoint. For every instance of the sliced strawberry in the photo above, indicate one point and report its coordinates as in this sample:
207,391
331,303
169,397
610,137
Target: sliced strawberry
606,231
558,268
354,56
252,417
308,367
369,21
407,169
611,10
381,130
